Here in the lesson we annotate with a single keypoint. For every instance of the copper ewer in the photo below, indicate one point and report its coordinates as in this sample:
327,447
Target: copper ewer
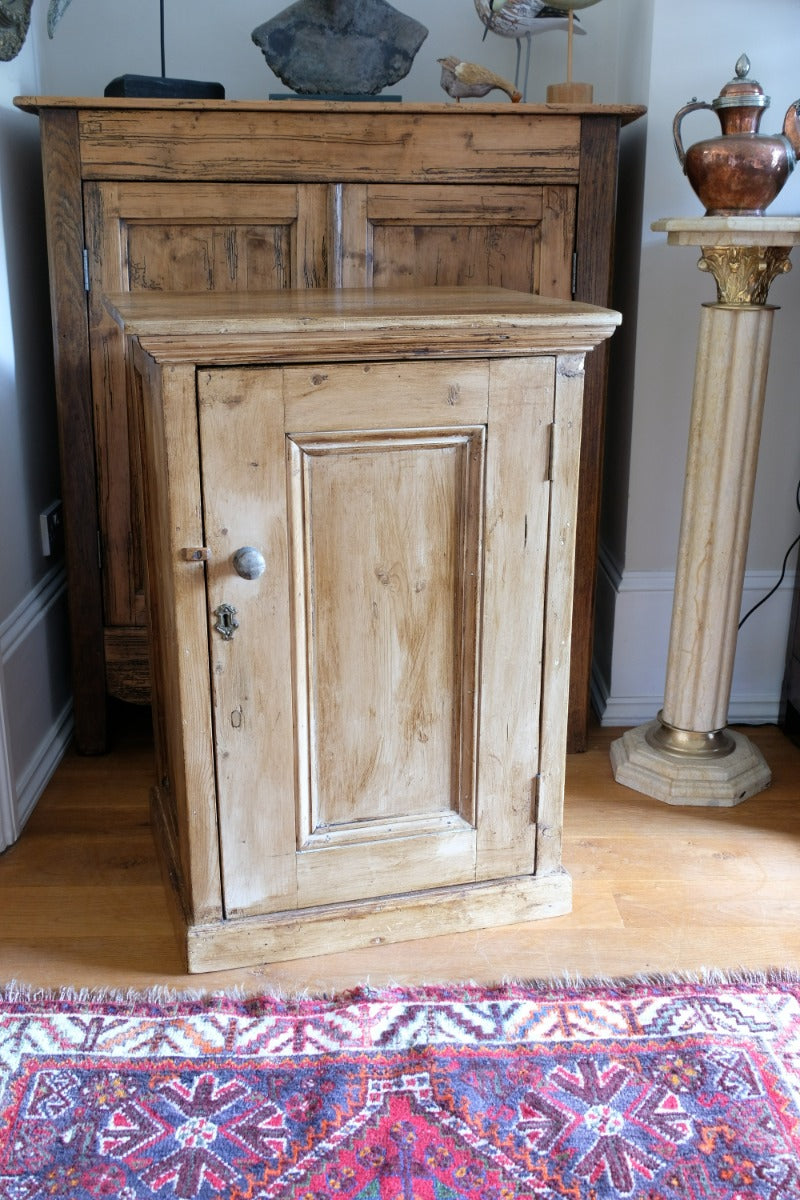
740,172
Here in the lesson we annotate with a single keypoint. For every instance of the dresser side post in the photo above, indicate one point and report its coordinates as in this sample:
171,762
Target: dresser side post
65,242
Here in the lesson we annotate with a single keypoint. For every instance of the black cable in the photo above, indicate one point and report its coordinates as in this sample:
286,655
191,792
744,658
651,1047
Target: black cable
774,589
163,55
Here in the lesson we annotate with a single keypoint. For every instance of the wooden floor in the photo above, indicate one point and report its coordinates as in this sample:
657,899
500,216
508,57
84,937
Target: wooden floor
657,889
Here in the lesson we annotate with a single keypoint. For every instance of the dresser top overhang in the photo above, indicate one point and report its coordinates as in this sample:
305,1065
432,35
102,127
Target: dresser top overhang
35,104
357,323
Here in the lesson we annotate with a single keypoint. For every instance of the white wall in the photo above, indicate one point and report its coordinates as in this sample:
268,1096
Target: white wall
34,688
100,39
693,52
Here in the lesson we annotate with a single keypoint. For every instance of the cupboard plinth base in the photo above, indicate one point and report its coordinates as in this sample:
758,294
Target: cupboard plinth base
226,944
696,780
249,941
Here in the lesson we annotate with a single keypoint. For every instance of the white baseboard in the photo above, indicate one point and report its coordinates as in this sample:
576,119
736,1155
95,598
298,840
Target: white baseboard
634,614
35,700
49,752
8,808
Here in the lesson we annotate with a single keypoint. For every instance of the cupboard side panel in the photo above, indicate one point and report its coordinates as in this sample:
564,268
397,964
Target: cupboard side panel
167,433
569,381
597,194
64,224
515,554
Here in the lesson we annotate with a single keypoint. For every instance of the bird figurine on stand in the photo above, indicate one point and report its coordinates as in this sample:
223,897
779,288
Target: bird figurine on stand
461,79
520,19
569,92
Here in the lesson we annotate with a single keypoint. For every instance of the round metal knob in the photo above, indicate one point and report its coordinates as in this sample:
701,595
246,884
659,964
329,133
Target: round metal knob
249,562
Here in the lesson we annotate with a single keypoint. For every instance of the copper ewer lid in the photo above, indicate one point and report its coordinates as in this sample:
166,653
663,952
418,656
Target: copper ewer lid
741,92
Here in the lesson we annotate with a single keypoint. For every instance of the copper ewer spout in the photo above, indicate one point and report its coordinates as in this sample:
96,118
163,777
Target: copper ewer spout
741,171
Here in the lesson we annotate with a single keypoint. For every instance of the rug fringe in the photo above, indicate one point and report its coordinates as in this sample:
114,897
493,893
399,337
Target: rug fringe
704,975
15,992
160,994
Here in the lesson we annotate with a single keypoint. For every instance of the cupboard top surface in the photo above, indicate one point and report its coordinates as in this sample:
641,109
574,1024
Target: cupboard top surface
626,112
490,320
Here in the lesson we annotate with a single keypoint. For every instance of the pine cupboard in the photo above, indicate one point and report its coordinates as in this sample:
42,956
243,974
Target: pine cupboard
359,511
230,196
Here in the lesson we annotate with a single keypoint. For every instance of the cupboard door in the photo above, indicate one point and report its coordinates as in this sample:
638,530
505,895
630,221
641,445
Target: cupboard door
163,237
449,236
401,510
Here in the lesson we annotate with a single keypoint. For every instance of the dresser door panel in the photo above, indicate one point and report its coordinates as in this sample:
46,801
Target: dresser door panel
382,636
437,235
159,237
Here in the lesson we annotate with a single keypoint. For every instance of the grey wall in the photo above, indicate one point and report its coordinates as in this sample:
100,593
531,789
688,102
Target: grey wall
34,688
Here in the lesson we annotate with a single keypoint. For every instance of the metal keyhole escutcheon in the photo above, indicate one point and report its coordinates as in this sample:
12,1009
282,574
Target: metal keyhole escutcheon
249,562
226,623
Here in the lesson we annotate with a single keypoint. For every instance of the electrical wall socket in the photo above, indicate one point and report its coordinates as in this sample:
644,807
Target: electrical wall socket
51,525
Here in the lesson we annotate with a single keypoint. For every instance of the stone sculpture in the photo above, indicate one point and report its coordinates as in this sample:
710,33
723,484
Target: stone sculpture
340,47
15,17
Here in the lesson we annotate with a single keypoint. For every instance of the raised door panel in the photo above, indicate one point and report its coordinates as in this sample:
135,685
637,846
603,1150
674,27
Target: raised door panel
443,235
350,701
162,237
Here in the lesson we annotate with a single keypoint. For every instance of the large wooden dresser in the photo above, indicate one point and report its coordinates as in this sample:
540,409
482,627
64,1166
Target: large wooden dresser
240,196
359,514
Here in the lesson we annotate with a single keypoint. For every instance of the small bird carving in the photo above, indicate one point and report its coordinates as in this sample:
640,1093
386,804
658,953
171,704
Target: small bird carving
517,18
470,79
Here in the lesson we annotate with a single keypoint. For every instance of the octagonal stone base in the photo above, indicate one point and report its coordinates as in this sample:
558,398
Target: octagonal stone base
711,781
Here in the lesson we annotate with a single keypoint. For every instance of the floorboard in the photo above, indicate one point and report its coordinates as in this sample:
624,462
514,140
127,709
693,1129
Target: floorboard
657,889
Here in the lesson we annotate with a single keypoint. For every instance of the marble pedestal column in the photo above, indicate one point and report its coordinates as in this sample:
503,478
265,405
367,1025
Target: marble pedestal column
688,755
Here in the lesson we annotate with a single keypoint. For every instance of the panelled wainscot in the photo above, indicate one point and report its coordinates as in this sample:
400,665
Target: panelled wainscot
360,512
231,196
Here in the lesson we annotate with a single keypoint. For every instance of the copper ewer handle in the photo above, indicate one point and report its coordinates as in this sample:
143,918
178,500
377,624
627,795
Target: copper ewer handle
676,126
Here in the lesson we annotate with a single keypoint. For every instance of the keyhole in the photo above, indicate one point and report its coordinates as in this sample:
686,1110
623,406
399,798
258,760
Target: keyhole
226,623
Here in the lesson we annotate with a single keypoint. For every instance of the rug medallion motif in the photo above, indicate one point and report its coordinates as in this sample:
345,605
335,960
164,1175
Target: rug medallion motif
639,1090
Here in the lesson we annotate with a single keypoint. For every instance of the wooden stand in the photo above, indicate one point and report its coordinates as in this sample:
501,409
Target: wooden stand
688,756
569,92
360,511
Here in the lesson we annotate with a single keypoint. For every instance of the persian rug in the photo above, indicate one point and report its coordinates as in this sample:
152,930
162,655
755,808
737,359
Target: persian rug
648,1089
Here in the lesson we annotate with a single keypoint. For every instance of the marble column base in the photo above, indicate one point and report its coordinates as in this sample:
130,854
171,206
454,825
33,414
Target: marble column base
712,782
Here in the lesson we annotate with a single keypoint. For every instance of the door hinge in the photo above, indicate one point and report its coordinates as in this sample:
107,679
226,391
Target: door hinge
85,269
574,272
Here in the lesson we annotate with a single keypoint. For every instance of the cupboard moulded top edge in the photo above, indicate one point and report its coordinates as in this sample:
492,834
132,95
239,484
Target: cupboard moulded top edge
36,104
210,328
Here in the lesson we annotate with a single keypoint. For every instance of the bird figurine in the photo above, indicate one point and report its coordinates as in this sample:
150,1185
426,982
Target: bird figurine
470,79
520,19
